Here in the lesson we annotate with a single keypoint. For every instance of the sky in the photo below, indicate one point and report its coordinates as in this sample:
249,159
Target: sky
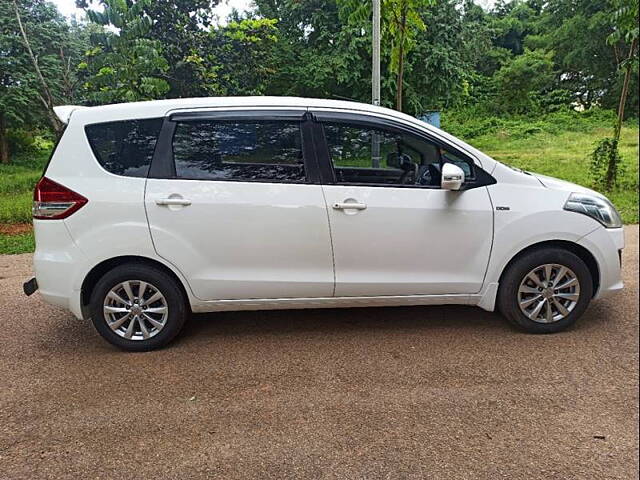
68,7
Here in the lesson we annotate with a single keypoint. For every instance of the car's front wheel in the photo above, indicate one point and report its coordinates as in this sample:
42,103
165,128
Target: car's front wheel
545,290
138,307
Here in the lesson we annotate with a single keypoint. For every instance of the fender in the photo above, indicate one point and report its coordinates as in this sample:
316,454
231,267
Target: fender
516,229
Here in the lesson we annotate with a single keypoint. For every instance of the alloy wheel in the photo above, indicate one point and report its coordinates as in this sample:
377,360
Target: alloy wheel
548,293
135,310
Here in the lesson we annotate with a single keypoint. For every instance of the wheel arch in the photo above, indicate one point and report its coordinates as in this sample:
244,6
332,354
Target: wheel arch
581,252
100,269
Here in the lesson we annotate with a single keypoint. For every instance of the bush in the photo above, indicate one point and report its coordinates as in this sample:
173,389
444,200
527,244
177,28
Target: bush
606,164
474,122
21,141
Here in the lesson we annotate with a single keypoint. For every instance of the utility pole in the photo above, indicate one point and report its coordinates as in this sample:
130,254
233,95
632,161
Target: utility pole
375,80
375,67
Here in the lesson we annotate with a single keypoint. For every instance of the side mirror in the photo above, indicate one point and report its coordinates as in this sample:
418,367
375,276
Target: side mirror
452,177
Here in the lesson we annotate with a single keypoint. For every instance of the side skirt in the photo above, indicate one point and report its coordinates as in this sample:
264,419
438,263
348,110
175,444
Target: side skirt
333,302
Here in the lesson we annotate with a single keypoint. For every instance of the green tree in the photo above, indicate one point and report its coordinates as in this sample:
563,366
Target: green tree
38,53
605,159
16,81
180,26
521,81
404,23
401,21
71,53
625,24
440,70
123,64
317,54
512,22
576,31
239,58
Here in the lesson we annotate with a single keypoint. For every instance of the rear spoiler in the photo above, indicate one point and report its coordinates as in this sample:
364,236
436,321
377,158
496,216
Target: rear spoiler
64,112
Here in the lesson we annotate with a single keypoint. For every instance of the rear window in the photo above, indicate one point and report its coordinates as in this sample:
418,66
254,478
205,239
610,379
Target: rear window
125,148
253,151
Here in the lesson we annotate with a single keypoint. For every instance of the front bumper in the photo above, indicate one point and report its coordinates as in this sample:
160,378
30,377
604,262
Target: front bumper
606,245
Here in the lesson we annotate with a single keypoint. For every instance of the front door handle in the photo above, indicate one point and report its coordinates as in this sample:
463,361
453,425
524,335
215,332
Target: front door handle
173,201
349,206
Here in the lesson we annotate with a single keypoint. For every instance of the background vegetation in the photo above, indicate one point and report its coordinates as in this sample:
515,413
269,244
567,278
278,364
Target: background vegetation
537,84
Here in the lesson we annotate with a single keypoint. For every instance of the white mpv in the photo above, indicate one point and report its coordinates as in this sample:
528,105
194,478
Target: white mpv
150,211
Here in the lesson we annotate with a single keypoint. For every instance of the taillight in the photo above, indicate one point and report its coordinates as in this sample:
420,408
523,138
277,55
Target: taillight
53,201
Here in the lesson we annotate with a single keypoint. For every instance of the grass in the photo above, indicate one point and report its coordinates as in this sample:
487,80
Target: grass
564,156
13,244
557,145
16,207
16,186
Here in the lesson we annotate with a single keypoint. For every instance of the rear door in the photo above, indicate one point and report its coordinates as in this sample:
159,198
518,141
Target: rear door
233,200
394,230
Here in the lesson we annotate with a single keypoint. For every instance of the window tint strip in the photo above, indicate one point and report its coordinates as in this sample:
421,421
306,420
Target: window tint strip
242,115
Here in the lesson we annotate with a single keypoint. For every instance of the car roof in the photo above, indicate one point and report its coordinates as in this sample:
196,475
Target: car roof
154,108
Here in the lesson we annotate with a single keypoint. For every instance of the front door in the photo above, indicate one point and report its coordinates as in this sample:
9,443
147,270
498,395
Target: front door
394,230
236,210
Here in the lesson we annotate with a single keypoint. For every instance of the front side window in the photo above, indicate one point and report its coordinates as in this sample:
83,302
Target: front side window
267,151
366,155
125,147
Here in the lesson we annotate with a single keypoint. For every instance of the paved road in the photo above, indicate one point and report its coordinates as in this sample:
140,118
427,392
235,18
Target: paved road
433,392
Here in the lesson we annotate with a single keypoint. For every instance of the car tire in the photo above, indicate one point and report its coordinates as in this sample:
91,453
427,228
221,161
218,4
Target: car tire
138,307
537,304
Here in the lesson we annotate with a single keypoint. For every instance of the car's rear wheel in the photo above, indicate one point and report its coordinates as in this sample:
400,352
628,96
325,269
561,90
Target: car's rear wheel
545,290
138,307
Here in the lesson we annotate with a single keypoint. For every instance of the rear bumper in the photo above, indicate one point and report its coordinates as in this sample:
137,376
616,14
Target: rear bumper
56,262
606,245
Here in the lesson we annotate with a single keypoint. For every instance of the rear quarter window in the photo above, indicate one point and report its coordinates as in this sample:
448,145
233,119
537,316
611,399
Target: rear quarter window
126,147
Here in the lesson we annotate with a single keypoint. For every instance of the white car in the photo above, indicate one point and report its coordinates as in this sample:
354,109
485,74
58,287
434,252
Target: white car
150,211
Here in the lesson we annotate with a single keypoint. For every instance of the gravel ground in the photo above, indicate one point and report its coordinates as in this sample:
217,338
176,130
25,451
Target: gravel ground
433,392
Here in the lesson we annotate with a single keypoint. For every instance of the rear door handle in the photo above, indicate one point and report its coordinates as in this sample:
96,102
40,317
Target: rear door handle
349,206
173,201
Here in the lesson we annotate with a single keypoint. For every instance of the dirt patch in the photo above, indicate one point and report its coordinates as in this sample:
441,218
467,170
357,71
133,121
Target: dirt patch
15,228
400,393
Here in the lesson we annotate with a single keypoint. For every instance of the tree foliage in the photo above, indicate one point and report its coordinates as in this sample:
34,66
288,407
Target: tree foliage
518,57
605,159
317,53
401,23
523,79
123,65
237,59
39,51
180,27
